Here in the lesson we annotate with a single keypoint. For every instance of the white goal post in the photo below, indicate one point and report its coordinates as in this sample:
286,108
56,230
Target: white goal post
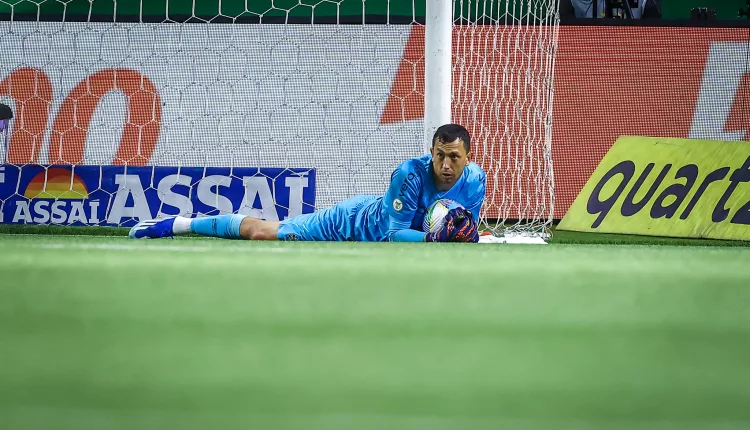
267,107
438,77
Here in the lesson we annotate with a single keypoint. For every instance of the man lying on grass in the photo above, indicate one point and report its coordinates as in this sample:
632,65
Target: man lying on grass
447,173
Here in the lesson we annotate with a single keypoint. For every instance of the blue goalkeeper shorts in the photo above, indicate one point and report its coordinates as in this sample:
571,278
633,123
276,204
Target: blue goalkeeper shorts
336,223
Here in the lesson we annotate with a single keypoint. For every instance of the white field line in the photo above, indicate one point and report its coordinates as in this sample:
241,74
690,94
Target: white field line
199,249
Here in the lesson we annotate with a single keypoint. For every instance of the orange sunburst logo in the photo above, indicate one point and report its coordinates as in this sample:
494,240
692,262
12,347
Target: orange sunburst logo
56,183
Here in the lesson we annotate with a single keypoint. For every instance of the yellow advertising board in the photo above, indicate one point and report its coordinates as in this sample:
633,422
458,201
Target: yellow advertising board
667,187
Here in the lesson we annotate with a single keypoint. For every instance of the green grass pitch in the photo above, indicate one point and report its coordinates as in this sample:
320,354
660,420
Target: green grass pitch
106,333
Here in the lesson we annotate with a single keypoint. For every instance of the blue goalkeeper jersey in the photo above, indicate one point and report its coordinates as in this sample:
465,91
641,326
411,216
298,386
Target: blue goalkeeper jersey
411,192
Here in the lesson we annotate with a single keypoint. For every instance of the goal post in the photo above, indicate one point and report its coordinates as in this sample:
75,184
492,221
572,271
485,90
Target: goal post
438,53
271,108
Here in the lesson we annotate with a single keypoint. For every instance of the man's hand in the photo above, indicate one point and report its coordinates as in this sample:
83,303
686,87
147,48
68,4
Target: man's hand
459,226
465,229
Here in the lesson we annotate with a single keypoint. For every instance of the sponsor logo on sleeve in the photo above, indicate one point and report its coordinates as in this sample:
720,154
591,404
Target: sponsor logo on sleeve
398,205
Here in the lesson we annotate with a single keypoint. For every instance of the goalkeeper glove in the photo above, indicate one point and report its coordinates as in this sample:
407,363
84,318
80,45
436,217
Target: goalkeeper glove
467,230
457,227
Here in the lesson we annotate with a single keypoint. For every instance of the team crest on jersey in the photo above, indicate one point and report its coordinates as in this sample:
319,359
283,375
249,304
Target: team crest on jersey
398,204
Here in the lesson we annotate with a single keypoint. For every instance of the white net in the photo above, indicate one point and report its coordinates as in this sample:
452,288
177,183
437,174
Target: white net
283,87
503,78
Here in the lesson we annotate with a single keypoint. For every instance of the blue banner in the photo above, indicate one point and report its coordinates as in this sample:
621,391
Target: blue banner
122,196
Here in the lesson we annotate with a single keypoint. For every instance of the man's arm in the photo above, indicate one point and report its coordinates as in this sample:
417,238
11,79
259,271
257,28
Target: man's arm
477,199
400,231
401,202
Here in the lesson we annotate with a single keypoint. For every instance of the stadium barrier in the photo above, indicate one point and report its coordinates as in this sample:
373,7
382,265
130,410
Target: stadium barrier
683,82
667,187
120,195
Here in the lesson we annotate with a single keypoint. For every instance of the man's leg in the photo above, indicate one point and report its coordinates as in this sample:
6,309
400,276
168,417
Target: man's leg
335,223
258,229
228,226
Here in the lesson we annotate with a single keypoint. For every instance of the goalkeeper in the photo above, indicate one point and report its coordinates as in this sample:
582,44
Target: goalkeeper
447,173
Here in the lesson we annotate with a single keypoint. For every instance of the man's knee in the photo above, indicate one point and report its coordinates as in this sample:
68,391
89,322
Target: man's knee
258,229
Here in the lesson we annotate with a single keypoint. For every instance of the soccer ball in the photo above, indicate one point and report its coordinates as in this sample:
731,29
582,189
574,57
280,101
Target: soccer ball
434,219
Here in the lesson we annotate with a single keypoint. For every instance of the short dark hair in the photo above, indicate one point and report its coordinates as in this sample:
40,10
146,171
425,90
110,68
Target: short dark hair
451,132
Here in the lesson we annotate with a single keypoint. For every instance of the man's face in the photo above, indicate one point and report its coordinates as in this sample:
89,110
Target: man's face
448,161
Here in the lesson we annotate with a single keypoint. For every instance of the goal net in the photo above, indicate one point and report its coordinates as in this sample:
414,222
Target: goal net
291,104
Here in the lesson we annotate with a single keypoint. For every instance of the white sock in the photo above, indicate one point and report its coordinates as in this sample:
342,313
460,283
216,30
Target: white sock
181,225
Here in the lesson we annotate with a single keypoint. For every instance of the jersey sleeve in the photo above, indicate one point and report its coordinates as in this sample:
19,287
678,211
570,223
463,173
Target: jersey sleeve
401,200
401,203
476,196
